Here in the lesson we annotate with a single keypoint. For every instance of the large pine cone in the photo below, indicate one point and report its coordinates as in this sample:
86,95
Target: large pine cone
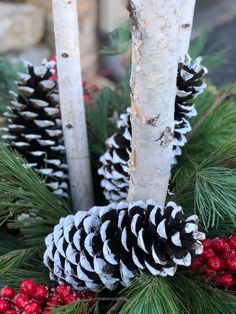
110,245
114,169
34,126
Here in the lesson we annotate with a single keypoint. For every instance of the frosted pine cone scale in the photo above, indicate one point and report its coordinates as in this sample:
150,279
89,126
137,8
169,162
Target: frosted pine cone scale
111,245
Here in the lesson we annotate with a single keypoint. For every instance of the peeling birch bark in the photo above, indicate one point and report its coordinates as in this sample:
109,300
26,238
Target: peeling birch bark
71,100
153,89
186,23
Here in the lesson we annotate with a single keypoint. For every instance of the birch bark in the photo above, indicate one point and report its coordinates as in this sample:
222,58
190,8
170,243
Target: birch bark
71,100
153,89
186,23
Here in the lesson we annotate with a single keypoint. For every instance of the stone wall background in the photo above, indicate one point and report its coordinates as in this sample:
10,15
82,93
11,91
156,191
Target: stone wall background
26,28
88,31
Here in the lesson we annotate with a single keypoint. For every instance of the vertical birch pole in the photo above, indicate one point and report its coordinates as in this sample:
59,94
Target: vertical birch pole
153,89
66,30
186,22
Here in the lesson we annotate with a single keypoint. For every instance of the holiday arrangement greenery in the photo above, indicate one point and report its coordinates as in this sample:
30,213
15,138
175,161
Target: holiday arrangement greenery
127,252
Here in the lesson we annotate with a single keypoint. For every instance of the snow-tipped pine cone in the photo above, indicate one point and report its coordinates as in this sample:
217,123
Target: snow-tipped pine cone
111,245
114,168
34,126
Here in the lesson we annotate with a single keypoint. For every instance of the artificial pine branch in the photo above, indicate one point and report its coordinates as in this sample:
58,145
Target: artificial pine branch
22,189
19,182
8,76
185,293
15,259
219,100
149,295
215,197
76,307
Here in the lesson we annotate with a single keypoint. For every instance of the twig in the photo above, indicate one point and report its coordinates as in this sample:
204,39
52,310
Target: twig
219,100
65,17
114,309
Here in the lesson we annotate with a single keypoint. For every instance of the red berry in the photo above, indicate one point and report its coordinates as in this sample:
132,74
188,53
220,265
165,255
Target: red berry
28,287
231,263
70,299
210,274
92,295
7,292
4,306
206,243
32,308
226,280
55,298
11,312
94,87
215,263
226,247
52,304
88,99
197,264
21,300
218,244
229,253
41,293
225,238
208,254
53,301
223,265
64,291
80,295
232,242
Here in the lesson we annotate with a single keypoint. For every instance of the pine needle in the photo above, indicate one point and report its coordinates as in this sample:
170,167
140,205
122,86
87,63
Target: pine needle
151,295
8,76
25,189
16,258
200,298
76,307
215,197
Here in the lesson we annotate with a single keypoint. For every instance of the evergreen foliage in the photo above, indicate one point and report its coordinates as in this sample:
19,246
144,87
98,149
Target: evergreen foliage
8,76
204,180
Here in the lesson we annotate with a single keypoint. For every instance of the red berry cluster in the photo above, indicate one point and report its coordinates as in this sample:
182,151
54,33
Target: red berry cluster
217,263
39,299
90,91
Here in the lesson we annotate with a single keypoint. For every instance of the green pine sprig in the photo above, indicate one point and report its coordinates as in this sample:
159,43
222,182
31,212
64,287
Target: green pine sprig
8,77
184,293
204,179
151,295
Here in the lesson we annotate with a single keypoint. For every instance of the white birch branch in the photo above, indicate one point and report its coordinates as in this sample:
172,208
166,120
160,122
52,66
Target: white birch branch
186,23
153,90
71,100
110,14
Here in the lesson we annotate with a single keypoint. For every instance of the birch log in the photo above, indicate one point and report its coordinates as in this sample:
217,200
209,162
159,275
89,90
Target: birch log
66,30
186,23
153,90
